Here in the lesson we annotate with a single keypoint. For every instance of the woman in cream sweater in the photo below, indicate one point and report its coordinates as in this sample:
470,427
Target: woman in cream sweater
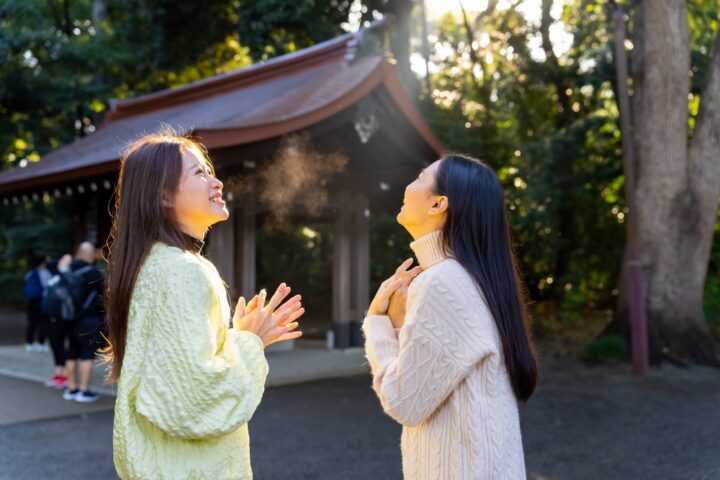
188,383
452,359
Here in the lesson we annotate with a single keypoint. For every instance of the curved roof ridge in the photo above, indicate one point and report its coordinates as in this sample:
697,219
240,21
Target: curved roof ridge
290,62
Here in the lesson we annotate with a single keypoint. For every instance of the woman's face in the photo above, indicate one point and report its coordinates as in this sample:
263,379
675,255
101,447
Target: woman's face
198,200
423,211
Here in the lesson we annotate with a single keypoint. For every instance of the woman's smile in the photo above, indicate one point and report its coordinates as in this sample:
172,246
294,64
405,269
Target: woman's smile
217,199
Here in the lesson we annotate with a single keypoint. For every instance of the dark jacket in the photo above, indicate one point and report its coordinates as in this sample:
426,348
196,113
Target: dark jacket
96,283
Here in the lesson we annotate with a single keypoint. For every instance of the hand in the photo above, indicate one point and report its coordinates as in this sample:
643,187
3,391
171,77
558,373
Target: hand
398,300
64,262
381,302
272,322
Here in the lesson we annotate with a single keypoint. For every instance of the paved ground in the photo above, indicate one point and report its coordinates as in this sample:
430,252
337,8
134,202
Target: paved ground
12,326
583,423
309,360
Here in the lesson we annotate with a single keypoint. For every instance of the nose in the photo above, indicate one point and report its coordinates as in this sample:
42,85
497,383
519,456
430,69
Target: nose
218,184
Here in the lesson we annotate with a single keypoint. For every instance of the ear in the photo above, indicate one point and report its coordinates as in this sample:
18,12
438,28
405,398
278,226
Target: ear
439,206
167,203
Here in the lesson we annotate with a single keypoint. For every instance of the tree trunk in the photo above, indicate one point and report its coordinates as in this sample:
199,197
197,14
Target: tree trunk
400,44
677,185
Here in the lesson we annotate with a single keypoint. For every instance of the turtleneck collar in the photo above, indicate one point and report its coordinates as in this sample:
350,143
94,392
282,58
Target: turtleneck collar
429,249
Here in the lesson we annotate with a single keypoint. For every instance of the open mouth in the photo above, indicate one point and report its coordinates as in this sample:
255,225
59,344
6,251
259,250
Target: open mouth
217,199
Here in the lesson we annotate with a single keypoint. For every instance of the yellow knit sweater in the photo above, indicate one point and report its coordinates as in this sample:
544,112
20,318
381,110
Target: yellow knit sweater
188,384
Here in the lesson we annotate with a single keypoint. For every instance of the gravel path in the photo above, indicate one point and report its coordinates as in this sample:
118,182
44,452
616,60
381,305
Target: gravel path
583,423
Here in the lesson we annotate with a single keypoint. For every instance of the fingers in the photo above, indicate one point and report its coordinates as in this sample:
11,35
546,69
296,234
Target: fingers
240,307
288,306
392,286
260,304
284,337
281,292
253,303
404,266
291,317
414,272
410,275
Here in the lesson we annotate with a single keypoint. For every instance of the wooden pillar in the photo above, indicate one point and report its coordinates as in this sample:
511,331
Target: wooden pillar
360,248
245,248
351,268
221,251
341,288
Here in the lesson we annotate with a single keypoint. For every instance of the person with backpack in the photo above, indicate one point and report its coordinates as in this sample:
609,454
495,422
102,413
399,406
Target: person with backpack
57,328
74,303
34,285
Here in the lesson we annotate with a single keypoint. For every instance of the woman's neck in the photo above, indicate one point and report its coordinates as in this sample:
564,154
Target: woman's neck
195,232
430,249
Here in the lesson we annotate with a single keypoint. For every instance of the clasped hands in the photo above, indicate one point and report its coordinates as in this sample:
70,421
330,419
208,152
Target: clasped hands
391,297
272,322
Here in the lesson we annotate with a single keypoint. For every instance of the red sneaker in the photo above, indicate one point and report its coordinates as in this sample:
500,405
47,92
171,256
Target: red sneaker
57,381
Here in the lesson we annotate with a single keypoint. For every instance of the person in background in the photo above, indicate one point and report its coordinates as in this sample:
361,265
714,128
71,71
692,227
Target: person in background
35,282
57,334
85,338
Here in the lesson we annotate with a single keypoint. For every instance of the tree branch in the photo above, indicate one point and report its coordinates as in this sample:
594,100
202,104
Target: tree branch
704,162
490,8
68,23
555,74
470,34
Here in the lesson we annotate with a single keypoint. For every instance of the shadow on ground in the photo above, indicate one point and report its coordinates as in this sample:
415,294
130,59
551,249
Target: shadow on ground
583,423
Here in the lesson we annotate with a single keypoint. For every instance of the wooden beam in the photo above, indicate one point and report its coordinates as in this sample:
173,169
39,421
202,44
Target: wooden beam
221,251
246,274
360,258
341,272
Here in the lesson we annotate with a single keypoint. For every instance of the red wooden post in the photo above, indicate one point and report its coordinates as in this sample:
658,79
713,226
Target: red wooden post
635,283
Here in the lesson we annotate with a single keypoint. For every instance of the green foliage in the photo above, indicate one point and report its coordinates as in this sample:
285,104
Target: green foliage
389,247
711,299
548,126
606,349
274,27
550,130
301,257
61,67
29,231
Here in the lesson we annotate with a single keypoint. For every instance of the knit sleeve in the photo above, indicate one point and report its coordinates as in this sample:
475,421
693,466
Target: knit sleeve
198,382
443,338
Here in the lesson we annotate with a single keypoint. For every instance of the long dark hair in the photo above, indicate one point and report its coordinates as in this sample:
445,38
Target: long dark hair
477,234
150,170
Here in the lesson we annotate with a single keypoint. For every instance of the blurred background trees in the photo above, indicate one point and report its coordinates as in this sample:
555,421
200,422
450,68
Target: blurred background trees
526,85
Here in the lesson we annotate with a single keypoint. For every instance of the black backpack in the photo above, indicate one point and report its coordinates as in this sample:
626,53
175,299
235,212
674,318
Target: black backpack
66,296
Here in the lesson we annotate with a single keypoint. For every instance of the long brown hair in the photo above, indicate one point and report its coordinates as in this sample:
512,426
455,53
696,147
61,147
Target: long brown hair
150,172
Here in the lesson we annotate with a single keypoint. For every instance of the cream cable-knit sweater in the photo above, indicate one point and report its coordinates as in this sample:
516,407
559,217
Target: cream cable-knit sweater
443,377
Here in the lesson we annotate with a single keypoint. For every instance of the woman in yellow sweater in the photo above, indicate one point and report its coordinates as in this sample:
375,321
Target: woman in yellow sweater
454,367
188,382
